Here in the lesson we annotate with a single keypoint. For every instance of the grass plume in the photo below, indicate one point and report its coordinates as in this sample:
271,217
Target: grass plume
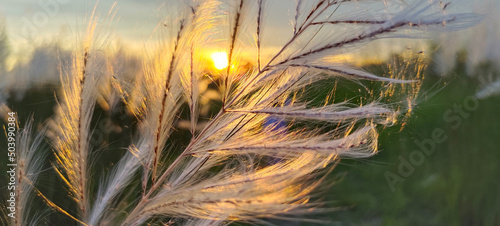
236,166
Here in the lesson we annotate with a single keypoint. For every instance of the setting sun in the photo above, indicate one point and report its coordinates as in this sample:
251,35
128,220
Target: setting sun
220,60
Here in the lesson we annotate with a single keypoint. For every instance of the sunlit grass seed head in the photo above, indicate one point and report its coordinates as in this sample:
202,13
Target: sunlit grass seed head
293,106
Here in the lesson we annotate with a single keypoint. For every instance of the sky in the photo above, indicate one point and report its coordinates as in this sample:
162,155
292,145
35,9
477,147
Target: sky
134,20
32,22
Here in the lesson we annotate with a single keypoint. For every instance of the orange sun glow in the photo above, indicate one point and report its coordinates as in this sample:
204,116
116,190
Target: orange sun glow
220,60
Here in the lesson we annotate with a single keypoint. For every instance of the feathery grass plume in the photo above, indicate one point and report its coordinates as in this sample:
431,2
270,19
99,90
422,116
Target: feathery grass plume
30,160
109,89
170,75
249,190
236,166
71,126
142,151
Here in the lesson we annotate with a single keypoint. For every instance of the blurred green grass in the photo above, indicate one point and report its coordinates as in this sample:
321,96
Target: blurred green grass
458,184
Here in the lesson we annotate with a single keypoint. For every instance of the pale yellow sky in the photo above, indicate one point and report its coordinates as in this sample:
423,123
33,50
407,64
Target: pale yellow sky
33,22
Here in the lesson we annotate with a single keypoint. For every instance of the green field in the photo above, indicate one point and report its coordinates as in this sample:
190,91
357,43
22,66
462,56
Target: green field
456,184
